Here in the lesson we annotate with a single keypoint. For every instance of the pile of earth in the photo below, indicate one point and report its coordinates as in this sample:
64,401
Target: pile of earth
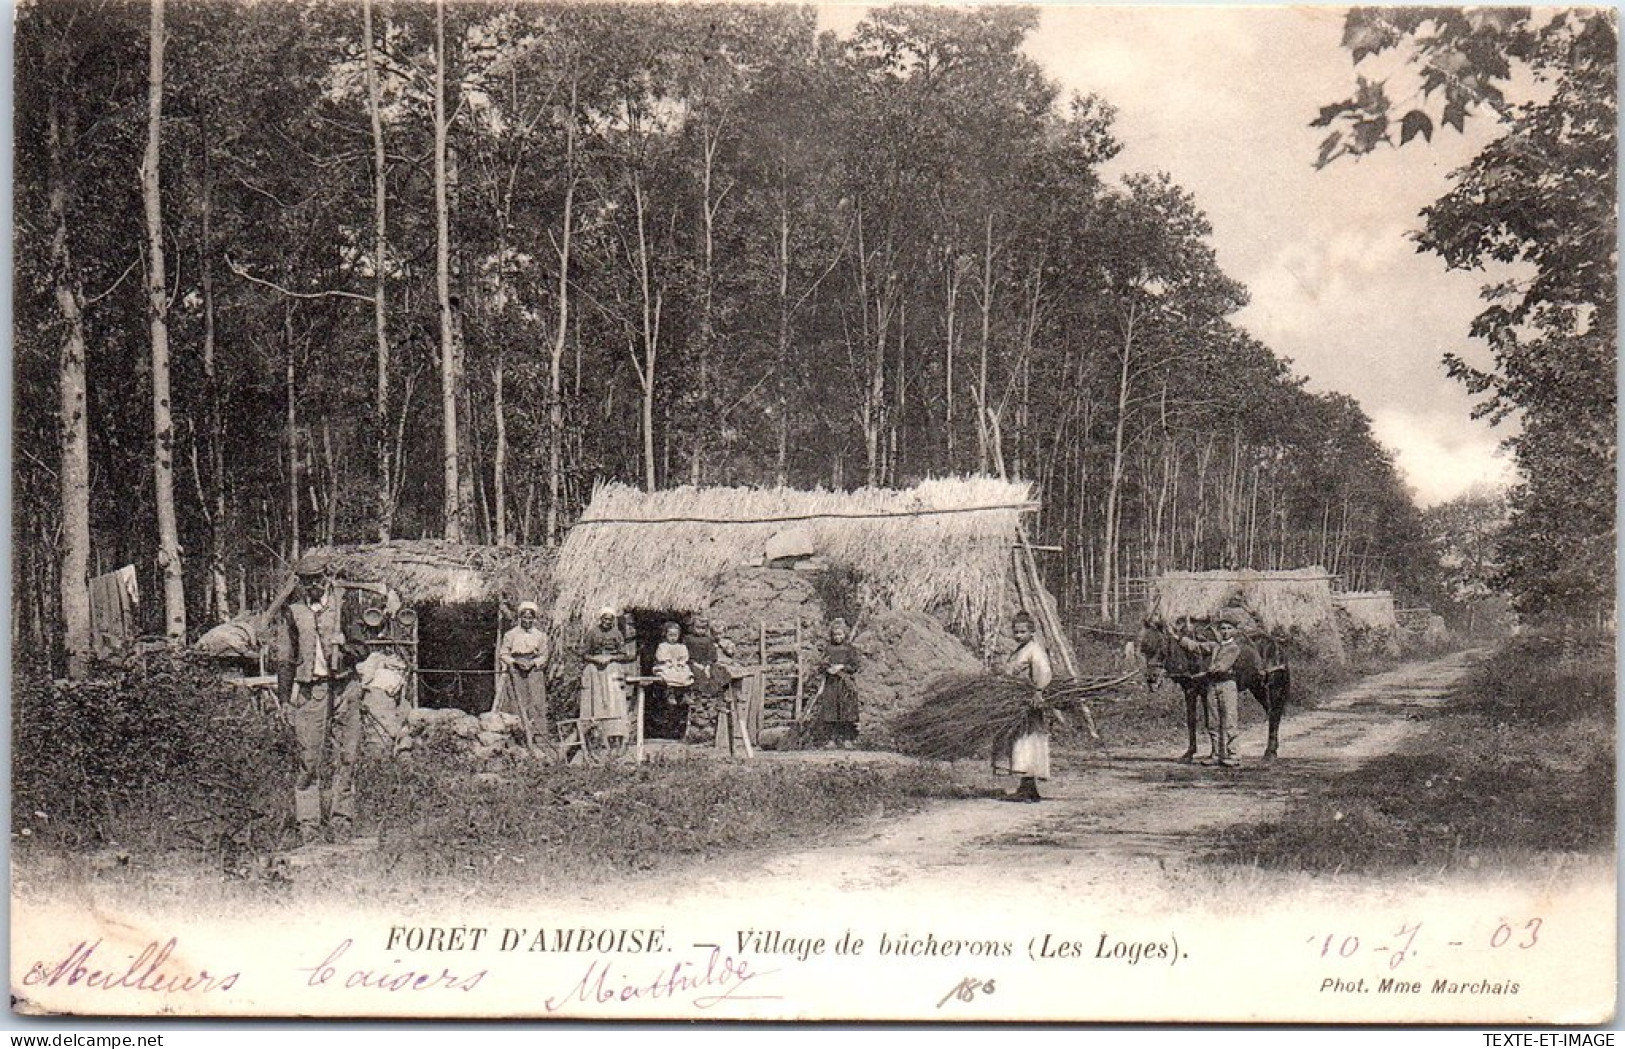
902,653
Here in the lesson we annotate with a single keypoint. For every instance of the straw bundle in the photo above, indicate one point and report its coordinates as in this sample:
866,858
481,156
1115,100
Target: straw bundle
939,553
1296,603
964,715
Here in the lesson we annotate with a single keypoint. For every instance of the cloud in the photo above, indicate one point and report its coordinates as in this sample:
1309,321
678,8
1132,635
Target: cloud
1442,461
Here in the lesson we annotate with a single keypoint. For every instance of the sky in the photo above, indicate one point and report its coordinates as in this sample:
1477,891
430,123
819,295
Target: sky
1221,99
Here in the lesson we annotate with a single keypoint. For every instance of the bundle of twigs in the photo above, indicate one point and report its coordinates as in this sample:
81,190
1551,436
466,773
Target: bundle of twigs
964,715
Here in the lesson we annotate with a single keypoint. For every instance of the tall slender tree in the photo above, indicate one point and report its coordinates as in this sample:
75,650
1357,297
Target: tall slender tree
163,424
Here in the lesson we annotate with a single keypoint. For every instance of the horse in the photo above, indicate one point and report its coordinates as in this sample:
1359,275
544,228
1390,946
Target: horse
1262,669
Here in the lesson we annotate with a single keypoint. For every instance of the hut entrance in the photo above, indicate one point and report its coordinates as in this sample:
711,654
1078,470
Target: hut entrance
665,711
456,652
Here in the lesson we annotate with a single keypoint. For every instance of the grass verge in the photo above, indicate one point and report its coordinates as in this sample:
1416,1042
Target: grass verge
162,769
437,820
1518,763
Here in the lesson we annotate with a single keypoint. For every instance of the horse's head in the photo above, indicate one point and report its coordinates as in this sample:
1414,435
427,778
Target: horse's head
1154,643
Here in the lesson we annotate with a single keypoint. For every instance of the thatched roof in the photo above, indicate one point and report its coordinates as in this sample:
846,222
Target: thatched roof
1369,609
943,546
1296,602
432,571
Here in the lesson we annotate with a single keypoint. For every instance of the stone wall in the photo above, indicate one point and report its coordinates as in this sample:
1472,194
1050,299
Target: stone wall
901,651
780,598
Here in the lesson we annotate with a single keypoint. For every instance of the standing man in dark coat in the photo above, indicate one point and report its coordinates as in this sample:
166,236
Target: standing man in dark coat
317,683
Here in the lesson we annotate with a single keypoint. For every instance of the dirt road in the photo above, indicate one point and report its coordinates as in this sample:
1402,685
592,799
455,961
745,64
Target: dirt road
1135,818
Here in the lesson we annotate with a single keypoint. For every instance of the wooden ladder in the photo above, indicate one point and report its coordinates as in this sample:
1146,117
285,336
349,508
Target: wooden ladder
779,656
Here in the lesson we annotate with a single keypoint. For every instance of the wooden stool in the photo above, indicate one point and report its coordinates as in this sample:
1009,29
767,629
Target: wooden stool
573,737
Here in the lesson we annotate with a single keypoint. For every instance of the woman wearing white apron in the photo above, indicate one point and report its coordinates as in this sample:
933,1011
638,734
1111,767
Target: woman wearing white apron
1025,752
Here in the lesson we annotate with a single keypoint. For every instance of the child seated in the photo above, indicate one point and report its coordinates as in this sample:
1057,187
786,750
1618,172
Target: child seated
671,659
669,720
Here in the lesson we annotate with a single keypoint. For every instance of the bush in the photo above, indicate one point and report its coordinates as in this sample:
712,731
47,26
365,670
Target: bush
162,754
1547,679
1519,762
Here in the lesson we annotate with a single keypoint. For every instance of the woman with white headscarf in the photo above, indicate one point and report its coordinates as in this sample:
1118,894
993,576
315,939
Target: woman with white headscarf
522,656
603,678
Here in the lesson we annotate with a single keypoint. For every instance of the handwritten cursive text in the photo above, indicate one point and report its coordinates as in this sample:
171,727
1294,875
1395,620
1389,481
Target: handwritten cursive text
325,974
148,971
721,978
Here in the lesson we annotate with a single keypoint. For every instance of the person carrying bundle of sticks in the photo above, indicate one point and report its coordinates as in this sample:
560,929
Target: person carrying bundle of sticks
1024,751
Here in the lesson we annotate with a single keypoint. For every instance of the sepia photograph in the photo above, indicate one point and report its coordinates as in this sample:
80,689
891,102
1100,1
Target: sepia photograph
931,513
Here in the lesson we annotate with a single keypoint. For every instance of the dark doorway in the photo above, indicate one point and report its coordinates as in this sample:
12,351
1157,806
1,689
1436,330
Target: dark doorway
665,712
456,653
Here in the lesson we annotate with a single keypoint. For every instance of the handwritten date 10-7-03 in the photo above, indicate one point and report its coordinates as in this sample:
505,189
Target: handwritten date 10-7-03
1508,934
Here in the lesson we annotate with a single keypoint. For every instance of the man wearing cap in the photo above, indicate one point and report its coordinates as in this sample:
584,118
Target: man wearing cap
523,655
316,681
1222,697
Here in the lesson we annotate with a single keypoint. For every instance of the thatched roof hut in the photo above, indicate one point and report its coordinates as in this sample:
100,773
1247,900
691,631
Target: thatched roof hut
1369,620
435,572
462,595
1296,603
1369,609
943,546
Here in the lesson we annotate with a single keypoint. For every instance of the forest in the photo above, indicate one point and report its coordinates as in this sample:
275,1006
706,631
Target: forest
304,272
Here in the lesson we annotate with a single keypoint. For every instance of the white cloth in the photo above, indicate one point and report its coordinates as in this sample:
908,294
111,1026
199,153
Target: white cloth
383,672
1027,752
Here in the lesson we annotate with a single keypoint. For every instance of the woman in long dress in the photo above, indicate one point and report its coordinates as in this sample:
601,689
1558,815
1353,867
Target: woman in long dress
603,679
836,715
1025,752
523,655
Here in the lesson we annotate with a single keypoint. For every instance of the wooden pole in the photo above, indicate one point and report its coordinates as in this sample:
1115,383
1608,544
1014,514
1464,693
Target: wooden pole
1044,606
798,679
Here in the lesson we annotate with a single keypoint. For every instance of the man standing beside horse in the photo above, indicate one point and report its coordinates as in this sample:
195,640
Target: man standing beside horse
1223,698
1185,654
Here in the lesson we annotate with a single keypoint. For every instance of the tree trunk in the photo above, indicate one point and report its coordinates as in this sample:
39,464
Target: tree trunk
872,407
949,347
984,408
219,603
73,473
900,383
380,265
499,460
555,364
651,304
334,484
782,345
289,392
1108,548
163,427
710,205
450,377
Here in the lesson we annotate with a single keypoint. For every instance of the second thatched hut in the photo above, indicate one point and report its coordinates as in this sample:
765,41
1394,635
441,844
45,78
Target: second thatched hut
1295,604
1369,621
